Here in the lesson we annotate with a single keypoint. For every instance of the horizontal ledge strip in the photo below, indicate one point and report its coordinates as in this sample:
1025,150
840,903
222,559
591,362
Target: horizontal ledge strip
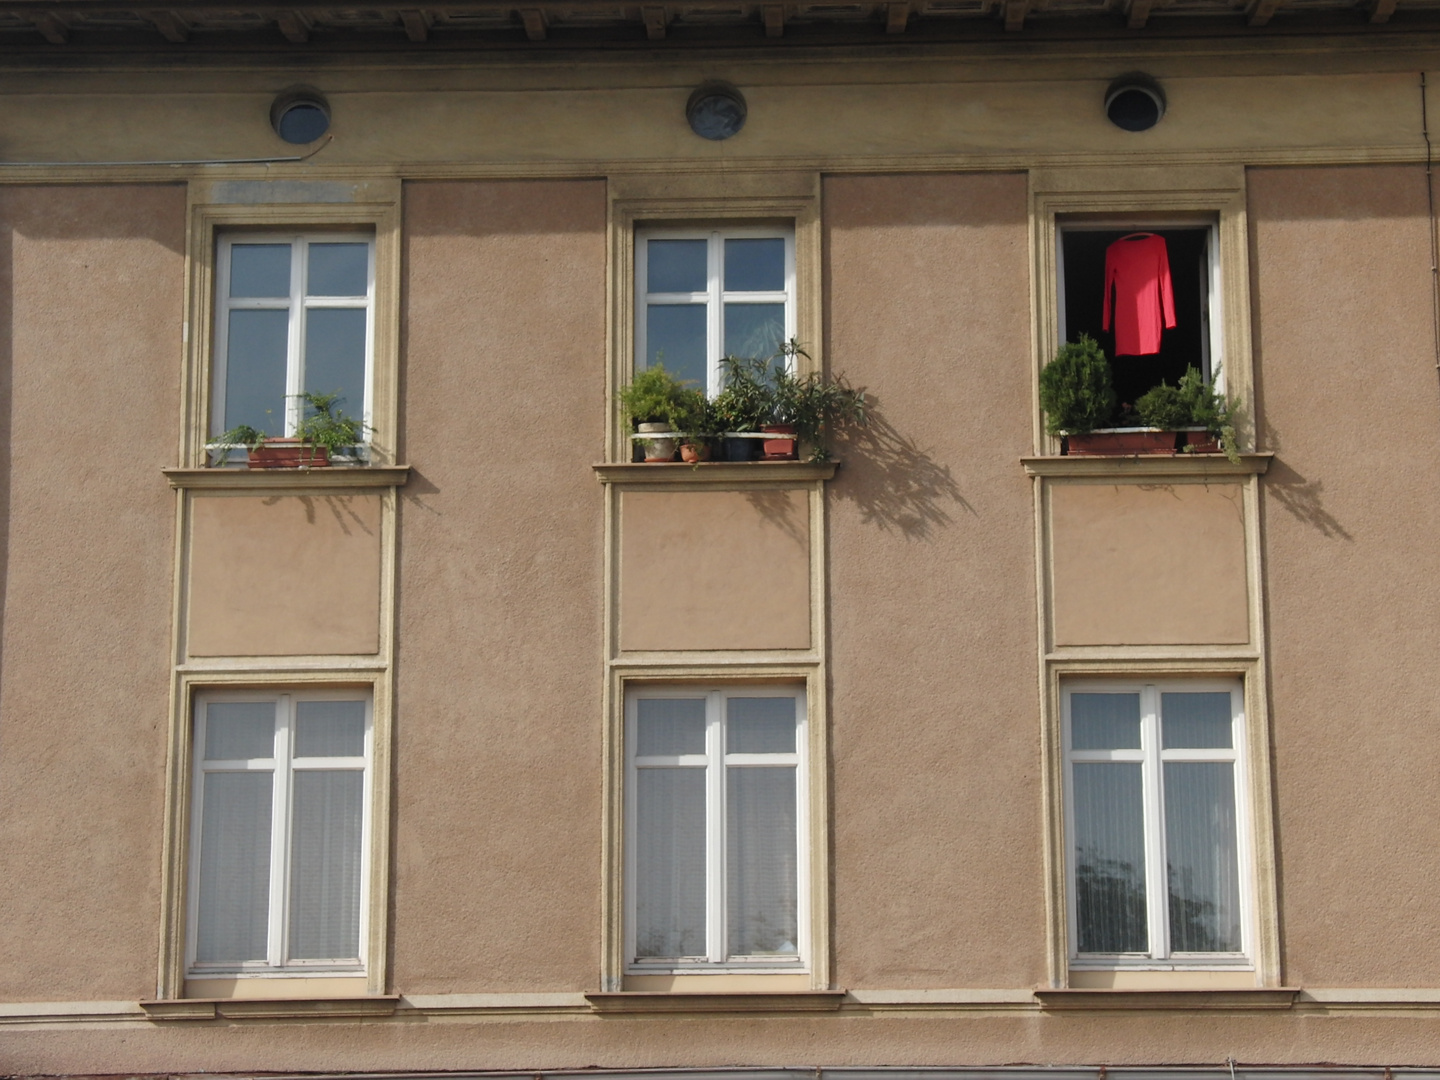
642,1001
270,1008
715,472
1197,466
301,479
1232,998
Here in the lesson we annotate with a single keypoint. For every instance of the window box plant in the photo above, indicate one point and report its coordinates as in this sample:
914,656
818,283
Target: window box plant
324,431
652,402
808,408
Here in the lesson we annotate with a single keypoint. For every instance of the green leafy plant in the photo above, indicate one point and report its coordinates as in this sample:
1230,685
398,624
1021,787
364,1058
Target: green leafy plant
1163,407
323,424
744,403
655,396
240,435
815,405
1075,389
696,418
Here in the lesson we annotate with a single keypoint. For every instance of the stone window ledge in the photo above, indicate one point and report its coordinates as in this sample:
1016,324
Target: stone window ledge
1158,465
714,472
739,1001
270,1008
301,479
1233,998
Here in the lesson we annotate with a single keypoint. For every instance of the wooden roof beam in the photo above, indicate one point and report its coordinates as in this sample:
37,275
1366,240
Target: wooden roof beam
417,25
534,20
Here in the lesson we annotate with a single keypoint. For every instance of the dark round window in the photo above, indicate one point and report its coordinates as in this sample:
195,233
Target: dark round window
716,111
300,118
1135,103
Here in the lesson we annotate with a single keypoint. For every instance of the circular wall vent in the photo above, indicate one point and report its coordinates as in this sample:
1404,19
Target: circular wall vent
1135,102
716,110
300,116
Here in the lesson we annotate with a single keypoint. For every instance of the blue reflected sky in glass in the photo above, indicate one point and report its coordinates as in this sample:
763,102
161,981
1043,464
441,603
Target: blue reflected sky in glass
754,330
335,355
255,370
259,270
1105,721
675,336
755,265
339,270
677,266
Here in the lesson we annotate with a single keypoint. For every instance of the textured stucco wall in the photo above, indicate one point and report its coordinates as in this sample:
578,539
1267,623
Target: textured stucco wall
498,674
91,280
935,728
1347,398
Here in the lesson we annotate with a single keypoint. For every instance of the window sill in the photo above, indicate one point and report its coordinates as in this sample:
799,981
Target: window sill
1148,465
270,1008
1071,999
747,1001
333,476
714,472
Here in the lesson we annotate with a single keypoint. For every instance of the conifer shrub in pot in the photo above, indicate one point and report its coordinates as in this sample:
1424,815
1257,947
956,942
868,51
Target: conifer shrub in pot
1077,394
651,401
1201,417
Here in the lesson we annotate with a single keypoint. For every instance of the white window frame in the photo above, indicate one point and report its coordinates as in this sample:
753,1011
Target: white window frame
283,767
1212,344
1151,758
715,297
298,305
715,761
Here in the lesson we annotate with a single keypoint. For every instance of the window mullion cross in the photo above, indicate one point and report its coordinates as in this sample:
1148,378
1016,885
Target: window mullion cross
294,376
715,312
279,832
715,827
1157,886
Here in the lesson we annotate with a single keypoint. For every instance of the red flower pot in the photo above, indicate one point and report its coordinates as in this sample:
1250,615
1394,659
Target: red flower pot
1114,443
289,454
782,448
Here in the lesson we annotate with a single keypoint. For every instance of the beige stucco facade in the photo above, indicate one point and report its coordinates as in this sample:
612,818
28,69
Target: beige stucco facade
502,578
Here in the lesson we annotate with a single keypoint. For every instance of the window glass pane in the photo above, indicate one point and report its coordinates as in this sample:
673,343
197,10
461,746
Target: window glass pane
325,865
255,370
667,727
755,265
335,356
1105,721
760,725
1195,721
329,728
761,861
259,270
754,330
675,337
676,266
239,730
1203,864
234,901
670,863
339,270
1110,858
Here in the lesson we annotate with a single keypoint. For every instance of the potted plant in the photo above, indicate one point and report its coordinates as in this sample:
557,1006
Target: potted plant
807,408
1201,417
324,430
651,402
697,421
1078,397
743,405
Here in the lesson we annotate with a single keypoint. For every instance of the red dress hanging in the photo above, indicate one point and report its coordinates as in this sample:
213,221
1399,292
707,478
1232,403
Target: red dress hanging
1137,269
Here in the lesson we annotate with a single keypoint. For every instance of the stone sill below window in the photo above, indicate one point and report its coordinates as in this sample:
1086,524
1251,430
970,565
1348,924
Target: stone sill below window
743,1001
714,472
302,479
1180,465
1234,998
271,1008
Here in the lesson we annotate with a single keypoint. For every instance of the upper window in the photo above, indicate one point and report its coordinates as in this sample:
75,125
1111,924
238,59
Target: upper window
716,827
705,294
1149,295
279,826
294,314
1154,774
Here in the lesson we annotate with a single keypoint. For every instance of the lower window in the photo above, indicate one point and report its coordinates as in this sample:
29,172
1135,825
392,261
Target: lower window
279,828
1156,824
716,828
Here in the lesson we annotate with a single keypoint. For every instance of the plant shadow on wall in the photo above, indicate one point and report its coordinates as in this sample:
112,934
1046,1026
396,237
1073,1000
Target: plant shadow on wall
339,507
1300,497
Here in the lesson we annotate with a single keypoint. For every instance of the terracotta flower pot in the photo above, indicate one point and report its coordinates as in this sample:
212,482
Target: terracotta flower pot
783,448
289,454
693,452
1199,442
1120,441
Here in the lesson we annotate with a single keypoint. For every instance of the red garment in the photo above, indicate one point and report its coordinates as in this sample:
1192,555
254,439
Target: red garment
1137,267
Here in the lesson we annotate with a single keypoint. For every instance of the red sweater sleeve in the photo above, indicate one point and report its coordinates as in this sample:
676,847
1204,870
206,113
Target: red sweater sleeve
1112,267
1167,295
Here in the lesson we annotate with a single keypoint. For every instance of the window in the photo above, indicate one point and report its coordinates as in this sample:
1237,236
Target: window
1157,862
702,295
294,314
716,822
279,832
1192,255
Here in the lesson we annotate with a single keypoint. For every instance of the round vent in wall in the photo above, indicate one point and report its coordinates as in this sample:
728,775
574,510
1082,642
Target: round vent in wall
716,110
300,115
1135,102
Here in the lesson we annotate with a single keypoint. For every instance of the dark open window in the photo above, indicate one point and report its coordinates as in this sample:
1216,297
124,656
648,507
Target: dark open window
1082,299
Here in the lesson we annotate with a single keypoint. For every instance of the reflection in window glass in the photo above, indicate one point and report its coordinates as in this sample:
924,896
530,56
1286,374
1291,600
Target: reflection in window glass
670,871
1110,858
339,270
257,347
677,266
260,270
754,330
755,265
335,355
1202,855
676,338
